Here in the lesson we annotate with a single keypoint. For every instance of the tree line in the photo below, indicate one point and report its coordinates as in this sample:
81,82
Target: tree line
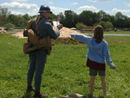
69,19
89,18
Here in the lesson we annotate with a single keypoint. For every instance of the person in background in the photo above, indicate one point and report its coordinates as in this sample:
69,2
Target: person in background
37,59
97,53
115,29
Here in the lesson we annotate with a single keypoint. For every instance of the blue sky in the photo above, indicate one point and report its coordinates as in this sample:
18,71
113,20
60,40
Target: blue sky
31,7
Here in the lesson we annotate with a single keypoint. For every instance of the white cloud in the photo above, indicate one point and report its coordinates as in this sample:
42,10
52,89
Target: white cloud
128,16
75,3
100,0
19,0
21,8
115,10
128,5
17,13
31,9
51,3
91,8
57,10
94,9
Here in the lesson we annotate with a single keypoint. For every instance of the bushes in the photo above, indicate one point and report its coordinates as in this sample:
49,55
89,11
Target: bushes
9,25
80,26
106,25
109,25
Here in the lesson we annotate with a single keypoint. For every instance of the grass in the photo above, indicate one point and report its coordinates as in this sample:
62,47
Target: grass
117,32
110,32
65,71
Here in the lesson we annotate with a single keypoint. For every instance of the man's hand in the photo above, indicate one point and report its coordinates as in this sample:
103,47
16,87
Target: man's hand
59,26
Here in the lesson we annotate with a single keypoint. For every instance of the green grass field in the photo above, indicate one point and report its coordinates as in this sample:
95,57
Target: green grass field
110,32
117,32
65,71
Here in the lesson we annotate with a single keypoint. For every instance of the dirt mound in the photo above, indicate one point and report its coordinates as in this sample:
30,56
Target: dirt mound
3,31
19,35
64,32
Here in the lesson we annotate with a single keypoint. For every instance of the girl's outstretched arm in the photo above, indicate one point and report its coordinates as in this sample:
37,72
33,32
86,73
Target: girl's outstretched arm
82,38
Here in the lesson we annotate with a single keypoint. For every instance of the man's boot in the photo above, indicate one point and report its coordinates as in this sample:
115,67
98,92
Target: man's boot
38,95
29,89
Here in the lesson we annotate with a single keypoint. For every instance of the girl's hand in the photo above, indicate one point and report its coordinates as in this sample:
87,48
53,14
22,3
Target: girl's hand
113,67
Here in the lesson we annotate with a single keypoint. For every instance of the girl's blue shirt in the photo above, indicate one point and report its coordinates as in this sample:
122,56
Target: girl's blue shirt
98,52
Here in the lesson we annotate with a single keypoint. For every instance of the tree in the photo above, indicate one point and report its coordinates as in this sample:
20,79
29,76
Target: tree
95,18
26,17
119,19
53,17
5,12
3,20
82,18
127,22
11,18
88,18
102,23
34,16
109,25
62,18
112,19
70,18
0,10
20,21
103,16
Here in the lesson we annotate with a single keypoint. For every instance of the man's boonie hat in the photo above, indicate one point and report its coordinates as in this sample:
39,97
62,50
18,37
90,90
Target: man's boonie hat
44,8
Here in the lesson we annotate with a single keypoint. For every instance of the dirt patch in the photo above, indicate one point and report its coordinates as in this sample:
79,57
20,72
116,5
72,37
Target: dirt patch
3,31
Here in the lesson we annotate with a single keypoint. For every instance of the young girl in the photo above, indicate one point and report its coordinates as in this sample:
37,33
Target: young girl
98,52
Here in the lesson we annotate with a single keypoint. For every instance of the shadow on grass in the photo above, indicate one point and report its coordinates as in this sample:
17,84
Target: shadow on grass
28,95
